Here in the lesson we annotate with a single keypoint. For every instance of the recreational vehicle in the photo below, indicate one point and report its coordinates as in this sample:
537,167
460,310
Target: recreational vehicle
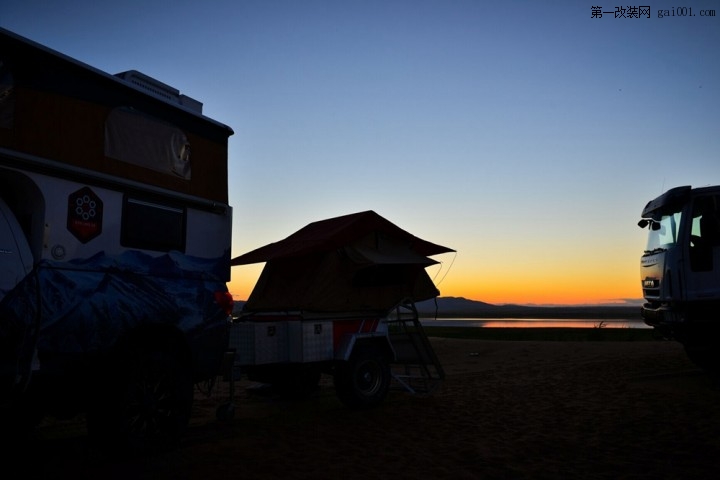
115,234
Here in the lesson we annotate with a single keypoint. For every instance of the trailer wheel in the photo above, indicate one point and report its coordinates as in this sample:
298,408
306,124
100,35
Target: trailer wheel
147,399
363,381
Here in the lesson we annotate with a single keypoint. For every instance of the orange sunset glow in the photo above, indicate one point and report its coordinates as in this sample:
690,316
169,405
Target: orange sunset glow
544,284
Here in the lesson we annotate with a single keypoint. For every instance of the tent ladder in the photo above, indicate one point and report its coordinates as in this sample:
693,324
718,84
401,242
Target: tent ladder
416,367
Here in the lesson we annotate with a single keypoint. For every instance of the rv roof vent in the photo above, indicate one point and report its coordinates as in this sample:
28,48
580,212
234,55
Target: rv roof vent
159,89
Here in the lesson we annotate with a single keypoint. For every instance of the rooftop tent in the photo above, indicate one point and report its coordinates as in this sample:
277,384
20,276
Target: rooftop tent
356,262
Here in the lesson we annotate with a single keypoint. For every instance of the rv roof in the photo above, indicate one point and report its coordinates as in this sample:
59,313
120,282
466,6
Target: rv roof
182,101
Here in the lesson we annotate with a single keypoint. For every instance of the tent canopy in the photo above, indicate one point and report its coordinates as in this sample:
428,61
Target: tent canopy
356,262
325,235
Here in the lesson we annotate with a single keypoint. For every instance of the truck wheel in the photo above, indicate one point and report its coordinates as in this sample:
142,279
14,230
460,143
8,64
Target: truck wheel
147,399
363,381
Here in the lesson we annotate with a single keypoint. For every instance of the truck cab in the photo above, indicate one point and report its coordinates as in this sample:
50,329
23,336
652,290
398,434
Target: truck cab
680,267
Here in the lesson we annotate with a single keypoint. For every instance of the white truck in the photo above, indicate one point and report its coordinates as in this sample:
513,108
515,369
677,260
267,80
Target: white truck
115,235
680,270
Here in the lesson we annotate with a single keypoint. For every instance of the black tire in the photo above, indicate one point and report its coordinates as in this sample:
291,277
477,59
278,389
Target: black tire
364,380
145,404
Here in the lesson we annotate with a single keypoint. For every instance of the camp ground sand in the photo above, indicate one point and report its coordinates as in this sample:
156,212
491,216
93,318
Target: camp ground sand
507,409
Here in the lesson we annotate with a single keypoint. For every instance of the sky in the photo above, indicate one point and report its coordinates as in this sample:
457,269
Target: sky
527,136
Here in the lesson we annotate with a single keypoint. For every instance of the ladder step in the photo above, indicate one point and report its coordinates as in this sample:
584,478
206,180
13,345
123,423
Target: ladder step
407,351
416,367
416,385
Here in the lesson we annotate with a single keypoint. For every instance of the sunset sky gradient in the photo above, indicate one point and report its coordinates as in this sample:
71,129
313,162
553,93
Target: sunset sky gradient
525,135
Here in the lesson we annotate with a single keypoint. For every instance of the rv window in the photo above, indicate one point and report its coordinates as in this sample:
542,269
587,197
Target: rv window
133,137
152,226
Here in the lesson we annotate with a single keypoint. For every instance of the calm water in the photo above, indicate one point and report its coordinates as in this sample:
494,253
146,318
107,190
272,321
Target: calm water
530,323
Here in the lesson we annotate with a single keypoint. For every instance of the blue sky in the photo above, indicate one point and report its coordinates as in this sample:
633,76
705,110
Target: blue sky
527,136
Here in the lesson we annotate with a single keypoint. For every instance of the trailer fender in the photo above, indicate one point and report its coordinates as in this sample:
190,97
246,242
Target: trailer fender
348,344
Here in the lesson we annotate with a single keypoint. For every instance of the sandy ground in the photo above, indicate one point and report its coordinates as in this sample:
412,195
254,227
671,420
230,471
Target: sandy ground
610,410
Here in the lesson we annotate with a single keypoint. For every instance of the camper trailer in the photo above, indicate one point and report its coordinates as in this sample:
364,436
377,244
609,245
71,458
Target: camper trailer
115,235
337,297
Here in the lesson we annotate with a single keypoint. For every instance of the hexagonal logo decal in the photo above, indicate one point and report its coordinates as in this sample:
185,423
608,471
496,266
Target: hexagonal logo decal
85,214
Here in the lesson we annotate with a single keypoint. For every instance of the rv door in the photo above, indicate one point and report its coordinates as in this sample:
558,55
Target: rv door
15,256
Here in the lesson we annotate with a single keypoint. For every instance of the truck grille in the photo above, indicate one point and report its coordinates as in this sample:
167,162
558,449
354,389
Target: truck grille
651,287
651,293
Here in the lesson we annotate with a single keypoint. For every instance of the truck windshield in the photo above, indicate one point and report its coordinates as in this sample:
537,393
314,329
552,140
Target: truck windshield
663,234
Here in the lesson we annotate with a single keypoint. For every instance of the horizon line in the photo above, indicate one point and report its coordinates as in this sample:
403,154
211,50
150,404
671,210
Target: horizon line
628,302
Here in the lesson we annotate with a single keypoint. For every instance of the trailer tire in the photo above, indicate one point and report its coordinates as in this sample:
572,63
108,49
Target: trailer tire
146,400
363,381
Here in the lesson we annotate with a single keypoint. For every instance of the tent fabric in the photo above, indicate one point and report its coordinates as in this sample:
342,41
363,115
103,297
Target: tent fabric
327,283
325,235
362,254
358,262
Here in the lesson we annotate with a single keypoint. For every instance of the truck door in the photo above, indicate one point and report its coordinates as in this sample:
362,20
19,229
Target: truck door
703,269
15,257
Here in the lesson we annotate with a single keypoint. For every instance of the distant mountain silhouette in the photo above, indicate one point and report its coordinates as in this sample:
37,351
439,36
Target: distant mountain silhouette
463,307
459,306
